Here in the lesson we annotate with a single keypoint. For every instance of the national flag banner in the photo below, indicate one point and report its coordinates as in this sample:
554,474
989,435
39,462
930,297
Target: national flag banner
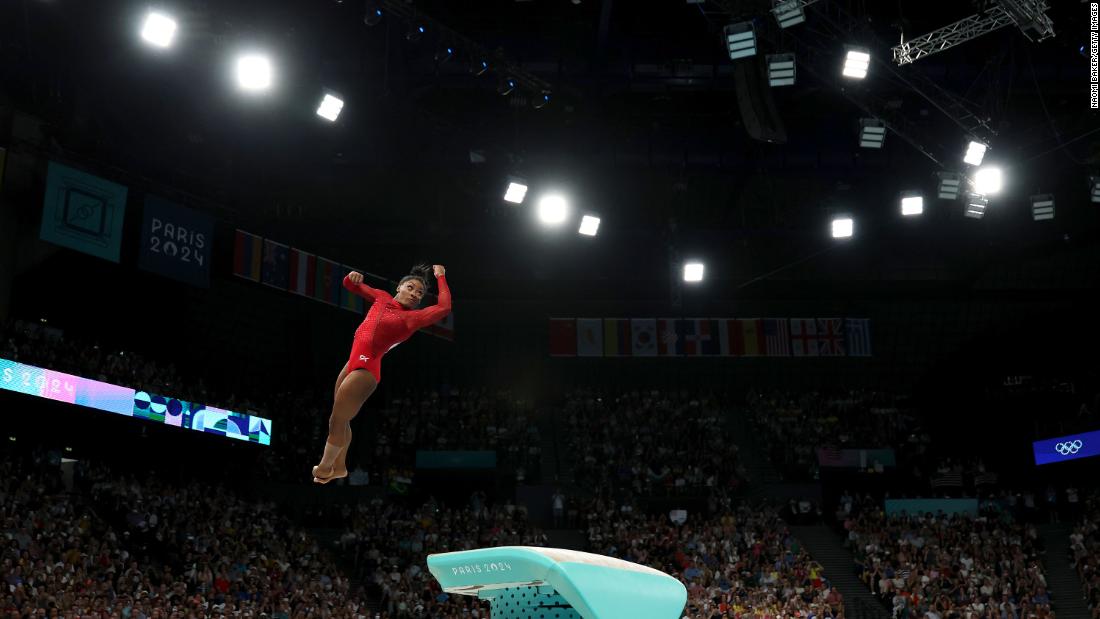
563,337
669,343
700,336
777,339
616,337
742,337
857,332
804,337
247,255
303,271
830,337
589,337
348,299
644,337
275,271
444,328
327,285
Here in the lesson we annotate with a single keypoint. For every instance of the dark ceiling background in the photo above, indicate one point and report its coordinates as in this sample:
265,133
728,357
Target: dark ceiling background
643,129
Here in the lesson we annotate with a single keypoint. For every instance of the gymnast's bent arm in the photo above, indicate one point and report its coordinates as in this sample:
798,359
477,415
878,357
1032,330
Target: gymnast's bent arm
354,282
430,315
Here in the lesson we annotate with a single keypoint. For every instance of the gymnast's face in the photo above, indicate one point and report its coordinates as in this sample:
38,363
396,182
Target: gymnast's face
410,293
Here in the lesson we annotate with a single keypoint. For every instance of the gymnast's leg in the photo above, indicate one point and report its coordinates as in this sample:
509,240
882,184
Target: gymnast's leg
340,469
350,396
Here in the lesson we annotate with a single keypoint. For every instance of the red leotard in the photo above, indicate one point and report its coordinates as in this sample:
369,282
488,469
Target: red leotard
388,323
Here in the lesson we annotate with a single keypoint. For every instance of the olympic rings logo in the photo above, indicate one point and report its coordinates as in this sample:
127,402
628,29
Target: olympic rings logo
1069,447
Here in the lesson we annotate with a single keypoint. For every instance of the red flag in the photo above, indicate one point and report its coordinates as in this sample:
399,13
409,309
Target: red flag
563,337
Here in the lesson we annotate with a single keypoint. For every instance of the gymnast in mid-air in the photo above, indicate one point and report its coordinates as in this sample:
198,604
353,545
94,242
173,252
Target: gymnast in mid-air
390,321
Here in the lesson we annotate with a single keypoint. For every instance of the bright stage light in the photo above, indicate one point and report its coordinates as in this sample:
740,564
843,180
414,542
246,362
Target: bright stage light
872,132
842,227
912,205
158,30
553,209
740,40
693,271
1042,207
589,225
856,62
987,181
517,190
330,107
975,152
254,72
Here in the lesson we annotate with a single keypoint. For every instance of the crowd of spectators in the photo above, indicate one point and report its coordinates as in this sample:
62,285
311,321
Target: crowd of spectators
644,443
1084,552
792,427
949,565
105,544
739,561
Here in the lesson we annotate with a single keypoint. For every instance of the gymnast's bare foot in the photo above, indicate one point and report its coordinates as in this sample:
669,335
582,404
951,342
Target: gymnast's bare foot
323,476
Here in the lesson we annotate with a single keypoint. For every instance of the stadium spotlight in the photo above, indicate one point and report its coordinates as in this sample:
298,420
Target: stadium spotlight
856,62
842,227
541,100
788,13
517,190
872,132
693,271
1094,188
330,107
478,66
975,151
505,86
553,209
589,225
415,32
975,206
987,181
254,72
780,69
372,14
912,205
158,29
950,182
740,40
1042,207
444,54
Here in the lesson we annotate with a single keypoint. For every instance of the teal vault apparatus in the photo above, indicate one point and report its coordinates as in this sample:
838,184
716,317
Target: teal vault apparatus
523,582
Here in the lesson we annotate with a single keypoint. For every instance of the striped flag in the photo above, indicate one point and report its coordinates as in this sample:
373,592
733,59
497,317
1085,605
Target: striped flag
327,285
804,337
303,268
348,299
643,337
616,337
777,339
275,271
669,343
563,337
247,255
830,337
589,337
858,334
741,337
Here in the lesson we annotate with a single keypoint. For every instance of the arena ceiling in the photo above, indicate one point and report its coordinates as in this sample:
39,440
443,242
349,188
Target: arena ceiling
643,126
